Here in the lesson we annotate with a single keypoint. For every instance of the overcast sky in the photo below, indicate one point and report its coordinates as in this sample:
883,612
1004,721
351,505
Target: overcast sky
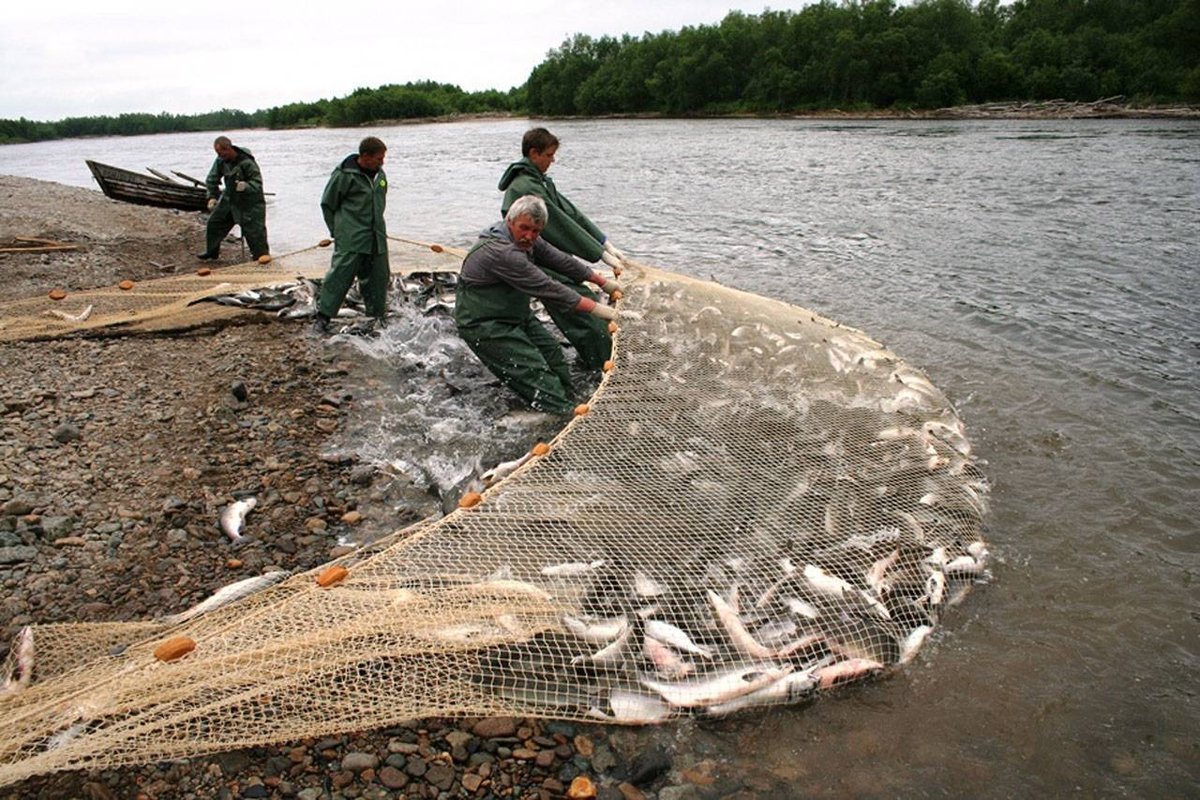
74,58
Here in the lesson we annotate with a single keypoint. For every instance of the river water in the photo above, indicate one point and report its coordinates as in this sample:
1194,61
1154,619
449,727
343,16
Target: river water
1042,273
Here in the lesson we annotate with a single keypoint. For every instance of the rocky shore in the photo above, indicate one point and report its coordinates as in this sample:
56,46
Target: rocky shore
116,455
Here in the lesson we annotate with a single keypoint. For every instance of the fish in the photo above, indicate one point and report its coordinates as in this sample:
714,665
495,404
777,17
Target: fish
788,689
611,653
844,671
667,663
802,608
233,518
716,688
632,708
912,643
645,586
669,634
590,630
741,638
22,671
789,569
572,568
833,586
228,594
509,586
504,469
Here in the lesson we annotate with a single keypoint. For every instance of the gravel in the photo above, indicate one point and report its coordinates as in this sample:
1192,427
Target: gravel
116,455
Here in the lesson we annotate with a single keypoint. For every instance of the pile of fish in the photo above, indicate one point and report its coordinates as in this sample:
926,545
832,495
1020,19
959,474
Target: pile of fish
429,292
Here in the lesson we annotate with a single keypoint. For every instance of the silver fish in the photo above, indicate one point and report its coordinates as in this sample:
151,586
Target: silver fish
632,708
596,630
504,469
676,637
233,518
509,586
912,643
612,653
227,594
572,568
717,688
787,689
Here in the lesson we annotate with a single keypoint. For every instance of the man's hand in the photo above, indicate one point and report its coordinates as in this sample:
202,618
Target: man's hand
608,248
240,186
612,260
212,203
610,287
604,312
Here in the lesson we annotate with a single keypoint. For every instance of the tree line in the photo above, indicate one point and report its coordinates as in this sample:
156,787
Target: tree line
878,55
854,55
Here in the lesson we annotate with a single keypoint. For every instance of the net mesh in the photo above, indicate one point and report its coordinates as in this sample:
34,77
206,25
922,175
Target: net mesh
757,504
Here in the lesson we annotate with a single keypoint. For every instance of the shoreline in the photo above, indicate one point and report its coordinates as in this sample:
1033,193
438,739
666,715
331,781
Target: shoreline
1108,108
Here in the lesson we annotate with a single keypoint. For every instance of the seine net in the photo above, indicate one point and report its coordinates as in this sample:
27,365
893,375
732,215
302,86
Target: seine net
757,504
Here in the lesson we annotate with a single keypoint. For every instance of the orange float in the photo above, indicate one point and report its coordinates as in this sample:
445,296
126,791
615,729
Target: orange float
540,449
57,294
332,575
176,647
470,500
125,285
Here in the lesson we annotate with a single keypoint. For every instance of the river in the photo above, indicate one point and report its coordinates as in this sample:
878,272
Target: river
1042,273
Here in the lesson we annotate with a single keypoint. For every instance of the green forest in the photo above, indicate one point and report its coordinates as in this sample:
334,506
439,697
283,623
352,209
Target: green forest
850,55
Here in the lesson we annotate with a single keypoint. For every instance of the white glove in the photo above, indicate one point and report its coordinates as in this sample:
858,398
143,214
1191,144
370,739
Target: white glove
612,261
212,203
611,286
604,312
240,186
608,248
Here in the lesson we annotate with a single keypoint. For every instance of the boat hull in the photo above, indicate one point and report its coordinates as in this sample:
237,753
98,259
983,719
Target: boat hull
132,187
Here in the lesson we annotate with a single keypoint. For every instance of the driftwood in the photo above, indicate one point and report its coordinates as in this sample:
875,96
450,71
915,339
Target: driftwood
28,244
1106,108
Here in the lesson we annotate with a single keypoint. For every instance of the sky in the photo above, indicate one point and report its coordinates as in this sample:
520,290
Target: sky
107,57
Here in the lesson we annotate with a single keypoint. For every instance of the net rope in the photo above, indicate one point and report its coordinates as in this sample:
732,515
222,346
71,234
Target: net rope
756,505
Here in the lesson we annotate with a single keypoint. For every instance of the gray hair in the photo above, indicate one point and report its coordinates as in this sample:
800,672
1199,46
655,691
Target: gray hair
530,206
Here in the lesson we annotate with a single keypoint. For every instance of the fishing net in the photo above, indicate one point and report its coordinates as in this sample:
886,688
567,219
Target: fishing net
756,505
179,302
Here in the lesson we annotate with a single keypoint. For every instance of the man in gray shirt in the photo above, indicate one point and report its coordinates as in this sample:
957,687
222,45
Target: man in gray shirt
499,276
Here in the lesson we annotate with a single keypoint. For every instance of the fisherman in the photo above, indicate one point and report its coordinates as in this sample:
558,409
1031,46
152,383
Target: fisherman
493,314
235,197
352,204
568,230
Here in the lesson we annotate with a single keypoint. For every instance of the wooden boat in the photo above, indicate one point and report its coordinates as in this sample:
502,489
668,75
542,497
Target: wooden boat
133,187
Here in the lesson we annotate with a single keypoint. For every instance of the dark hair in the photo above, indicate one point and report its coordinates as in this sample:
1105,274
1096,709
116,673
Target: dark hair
222,140
370,146
538,139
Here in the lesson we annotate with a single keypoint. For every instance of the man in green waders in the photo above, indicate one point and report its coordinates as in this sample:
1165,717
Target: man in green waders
569,230
499,275
352,204
237,181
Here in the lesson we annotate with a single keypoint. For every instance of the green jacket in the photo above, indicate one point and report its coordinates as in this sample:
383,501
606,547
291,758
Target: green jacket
224,175
353,204
568,228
